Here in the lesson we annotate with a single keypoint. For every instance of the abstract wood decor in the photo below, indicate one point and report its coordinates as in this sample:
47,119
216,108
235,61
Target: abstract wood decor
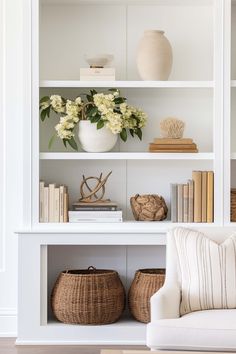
91,196
148,207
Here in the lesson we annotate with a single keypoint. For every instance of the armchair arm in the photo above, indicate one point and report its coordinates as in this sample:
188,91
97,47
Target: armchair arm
165,303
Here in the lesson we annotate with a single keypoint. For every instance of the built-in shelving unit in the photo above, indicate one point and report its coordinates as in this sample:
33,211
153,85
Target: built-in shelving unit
62,32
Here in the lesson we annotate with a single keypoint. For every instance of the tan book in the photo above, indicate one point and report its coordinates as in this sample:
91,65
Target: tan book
190,200
180,202
41,206
61,206
56,209
197,204
66,207
173,146
204,196
174,151
210,196
173,141
51,202
185,202
46,204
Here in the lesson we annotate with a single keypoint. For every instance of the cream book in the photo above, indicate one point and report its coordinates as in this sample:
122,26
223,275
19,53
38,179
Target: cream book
62,191
204,196
66,207
51,202
56,211
46,204
210,196
185,203
197,204
41,203
180,202
190,200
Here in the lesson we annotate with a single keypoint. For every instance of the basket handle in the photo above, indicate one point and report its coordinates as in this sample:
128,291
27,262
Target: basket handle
92,268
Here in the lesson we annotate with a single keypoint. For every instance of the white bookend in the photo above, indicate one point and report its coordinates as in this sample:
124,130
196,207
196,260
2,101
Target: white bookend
56,205
41,198
46,204
51,202
61,206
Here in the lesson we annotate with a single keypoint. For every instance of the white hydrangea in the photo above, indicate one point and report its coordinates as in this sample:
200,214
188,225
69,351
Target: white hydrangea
104,103
44,105
78,101
114,122
57,103
72,109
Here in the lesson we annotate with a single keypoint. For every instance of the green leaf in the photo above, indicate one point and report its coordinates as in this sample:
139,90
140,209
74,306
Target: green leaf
89,98
44,99
93,111
73,144
113,90
48,111
95,119
100,124
139,133
43,115
64,142
131,132
51,141
93,92
123,134
119,100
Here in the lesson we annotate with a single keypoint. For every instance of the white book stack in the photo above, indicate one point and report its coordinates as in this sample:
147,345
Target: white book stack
95,216
97,74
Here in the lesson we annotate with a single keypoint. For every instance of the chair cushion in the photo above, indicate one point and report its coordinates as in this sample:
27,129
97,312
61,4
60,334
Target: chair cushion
208,271
210,330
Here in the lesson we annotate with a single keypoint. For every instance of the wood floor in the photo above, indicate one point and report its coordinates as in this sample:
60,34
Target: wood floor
7,346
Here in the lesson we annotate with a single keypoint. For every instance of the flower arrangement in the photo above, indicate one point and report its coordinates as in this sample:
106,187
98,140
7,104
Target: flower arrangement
108,110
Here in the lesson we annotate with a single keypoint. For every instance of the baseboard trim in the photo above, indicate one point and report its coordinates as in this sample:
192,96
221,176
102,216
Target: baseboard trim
8,323
97,343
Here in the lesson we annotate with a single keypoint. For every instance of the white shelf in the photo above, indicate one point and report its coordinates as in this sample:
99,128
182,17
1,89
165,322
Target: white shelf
127,84
130,2
125,156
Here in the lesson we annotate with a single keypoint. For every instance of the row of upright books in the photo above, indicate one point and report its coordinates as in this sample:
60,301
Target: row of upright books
101,211
53,203
194,200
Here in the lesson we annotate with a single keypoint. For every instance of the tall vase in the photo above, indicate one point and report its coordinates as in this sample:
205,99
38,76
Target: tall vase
154,57
95,140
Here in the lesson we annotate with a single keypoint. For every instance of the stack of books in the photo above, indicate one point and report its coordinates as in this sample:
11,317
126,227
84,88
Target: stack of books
173,145
53,203
97,74
105,211
194,201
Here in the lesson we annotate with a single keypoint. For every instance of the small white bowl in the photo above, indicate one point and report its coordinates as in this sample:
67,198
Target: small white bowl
100,60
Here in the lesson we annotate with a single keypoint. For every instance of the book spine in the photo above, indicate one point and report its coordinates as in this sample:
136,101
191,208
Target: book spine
190,201
46,204
51,202
61,208
197,204
180,202
185,202
56,214
66,207
95,220
78,208
173,141
204,196
174,202
95,214
41,203
210,196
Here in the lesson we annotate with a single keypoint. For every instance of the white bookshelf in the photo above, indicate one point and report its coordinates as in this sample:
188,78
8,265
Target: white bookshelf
195,93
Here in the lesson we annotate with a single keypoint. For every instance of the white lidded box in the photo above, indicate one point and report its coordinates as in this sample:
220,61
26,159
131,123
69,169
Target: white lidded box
95,216
99,74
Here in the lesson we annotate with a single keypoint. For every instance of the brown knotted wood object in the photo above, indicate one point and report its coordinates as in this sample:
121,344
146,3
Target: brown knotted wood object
92,296
148,207
146,282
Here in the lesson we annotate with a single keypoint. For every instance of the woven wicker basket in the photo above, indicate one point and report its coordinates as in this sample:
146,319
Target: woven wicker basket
233,205
92,296
146,282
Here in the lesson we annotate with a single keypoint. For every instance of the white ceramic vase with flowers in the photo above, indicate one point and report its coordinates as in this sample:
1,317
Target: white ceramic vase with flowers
100,119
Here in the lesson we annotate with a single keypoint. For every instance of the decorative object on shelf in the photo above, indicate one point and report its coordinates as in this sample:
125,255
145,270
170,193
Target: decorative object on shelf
172,128
154,57
233,205
183,145
53,203
194,200
99,60
148,207
88,296
107,112
97,70
92,196
145,283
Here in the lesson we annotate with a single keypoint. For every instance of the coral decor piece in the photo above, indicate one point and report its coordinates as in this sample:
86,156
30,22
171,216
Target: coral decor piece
172,128
148,207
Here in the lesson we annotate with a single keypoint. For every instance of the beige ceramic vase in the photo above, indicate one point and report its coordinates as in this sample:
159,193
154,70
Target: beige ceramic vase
154,57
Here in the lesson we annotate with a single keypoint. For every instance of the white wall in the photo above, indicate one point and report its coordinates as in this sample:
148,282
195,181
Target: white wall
11,128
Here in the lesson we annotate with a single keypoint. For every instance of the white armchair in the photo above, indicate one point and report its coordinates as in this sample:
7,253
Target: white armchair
208,330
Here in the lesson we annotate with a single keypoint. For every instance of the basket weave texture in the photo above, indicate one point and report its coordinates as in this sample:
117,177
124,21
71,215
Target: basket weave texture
146,282
233,205
93,296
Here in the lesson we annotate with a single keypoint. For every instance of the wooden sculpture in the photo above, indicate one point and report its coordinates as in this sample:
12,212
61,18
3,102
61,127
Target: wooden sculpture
148,207
92,194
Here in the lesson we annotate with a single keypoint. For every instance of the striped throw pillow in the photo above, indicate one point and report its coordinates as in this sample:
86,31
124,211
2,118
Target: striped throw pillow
208,271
